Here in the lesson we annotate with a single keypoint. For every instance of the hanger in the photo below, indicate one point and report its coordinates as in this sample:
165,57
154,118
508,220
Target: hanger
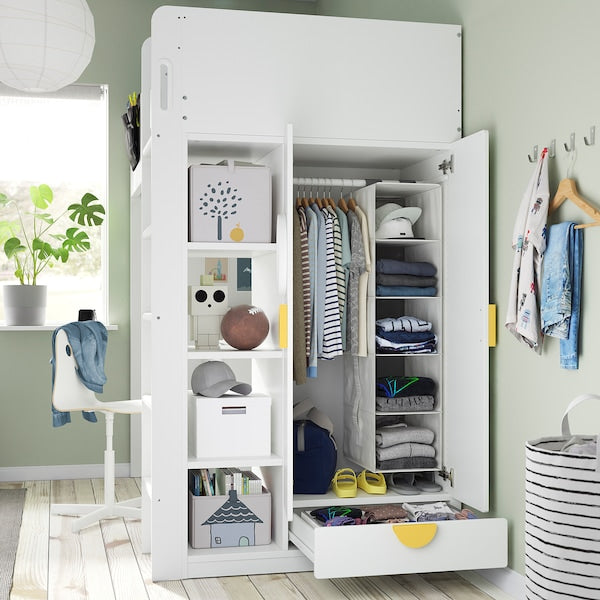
351,203
341,202
567,190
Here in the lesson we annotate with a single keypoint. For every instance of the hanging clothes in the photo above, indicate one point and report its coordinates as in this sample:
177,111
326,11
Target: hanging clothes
306,278
299,339
529,245
312,235
345,263
363,283
561,290
357,268
332,336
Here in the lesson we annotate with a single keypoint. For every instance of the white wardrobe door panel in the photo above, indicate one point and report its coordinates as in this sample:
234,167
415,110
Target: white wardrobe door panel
466,275
332,77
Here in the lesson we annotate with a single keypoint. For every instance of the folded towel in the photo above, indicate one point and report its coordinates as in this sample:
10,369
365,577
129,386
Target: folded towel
411,462
407,280
400,267
404,403
400,434
406,323
404,290
394,386
404,451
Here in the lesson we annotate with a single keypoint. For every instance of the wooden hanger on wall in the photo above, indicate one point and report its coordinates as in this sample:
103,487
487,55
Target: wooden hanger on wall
567,190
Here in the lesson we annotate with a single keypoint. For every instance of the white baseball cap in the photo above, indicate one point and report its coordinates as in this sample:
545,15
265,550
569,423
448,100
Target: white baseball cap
395,221
215,378
391,210
396,228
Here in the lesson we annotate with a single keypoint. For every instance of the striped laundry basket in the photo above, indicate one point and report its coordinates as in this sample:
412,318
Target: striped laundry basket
562,515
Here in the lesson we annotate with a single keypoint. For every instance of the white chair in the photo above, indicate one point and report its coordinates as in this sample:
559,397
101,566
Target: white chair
70,394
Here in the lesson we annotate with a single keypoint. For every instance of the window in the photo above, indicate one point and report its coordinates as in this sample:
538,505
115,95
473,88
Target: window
60,139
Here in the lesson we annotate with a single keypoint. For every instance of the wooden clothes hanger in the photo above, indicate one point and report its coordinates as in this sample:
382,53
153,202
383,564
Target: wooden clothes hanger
567,190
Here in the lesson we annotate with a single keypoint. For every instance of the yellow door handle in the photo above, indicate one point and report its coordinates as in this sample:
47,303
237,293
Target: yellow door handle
415,535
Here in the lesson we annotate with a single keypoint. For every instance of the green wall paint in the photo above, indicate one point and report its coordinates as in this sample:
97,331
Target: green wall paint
529,77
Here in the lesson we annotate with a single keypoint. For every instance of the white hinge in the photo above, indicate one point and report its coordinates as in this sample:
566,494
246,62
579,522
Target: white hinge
447,165
447,475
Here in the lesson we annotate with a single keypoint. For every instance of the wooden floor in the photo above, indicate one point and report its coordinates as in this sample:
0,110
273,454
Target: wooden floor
104,562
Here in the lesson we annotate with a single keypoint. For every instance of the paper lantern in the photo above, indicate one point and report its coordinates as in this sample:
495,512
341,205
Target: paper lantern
44,44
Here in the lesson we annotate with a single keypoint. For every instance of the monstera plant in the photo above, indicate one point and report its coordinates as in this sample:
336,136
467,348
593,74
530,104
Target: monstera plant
38,239
35,238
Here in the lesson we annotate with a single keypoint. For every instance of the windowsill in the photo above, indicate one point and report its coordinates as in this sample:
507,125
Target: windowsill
50,327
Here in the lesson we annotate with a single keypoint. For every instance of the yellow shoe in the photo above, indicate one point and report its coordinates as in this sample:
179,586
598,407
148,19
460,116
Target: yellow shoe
344,483
372,483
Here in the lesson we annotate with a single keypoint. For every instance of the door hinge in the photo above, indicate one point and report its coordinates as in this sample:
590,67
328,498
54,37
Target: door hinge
447,475
447,165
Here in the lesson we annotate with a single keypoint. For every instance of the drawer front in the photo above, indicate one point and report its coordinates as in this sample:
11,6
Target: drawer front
386,549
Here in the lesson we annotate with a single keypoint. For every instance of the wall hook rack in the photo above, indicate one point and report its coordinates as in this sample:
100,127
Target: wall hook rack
572,144
592,139
552,149
535,155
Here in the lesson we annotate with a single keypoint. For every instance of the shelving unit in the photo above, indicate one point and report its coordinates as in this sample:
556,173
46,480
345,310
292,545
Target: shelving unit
404,135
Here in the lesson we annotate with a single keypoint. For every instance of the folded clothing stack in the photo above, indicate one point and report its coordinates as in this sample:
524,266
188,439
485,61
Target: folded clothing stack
333,516
403,278
404,446
404,335
401,393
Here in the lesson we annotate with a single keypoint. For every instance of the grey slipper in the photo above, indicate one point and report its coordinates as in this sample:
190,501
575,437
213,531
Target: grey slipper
424,484
402,483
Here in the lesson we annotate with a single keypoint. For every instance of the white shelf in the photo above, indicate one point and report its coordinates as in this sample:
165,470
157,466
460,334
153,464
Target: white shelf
229,250
235,554
235,461
405,242
214,354
362,498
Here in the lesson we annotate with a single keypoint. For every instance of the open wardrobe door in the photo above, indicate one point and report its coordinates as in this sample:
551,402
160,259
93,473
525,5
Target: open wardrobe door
465,344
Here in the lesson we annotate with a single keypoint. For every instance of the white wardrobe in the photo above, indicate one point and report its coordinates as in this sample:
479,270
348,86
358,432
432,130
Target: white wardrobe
330,99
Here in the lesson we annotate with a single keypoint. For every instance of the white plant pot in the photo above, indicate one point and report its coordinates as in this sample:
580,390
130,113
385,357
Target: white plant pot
25,304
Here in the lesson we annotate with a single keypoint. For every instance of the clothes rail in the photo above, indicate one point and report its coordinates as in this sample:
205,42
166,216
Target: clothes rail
328,182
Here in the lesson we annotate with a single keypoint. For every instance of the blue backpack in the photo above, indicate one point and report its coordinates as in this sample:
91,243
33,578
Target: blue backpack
315,452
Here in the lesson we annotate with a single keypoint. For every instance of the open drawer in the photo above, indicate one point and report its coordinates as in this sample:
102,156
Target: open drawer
386,549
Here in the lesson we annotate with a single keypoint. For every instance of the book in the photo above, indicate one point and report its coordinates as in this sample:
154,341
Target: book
195,482
206,484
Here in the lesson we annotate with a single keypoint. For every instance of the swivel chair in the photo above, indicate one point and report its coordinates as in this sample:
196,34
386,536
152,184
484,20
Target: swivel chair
68,394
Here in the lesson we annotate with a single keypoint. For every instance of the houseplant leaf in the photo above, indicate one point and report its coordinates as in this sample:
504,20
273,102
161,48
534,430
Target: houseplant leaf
88,211
76,240
12,246
41,196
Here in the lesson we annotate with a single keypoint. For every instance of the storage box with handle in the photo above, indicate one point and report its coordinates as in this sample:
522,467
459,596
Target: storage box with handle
562,515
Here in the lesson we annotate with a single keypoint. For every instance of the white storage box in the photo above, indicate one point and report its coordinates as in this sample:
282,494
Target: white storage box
230,203
211,524
229,426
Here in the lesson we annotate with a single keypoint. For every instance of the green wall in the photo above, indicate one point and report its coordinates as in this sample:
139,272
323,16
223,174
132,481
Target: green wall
529,77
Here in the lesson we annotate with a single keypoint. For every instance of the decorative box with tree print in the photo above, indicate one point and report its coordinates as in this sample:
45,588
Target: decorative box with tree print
230,203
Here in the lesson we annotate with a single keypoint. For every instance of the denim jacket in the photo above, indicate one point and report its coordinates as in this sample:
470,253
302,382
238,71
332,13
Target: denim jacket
88,341
561,290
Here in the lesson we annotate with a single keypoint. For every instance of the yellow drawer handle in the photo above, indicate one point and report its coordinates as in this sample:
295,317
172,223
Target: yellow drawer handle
415,535
283,325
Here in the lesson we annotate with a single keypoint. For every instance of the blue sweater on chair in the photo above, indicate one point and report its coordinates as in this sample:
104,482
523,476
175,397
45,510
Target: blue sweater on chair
88,341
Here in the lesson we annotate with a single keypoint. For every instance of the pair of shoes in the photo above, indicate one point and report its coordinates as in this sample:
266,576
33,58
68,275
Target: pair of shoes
410,484
372,483
344,483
